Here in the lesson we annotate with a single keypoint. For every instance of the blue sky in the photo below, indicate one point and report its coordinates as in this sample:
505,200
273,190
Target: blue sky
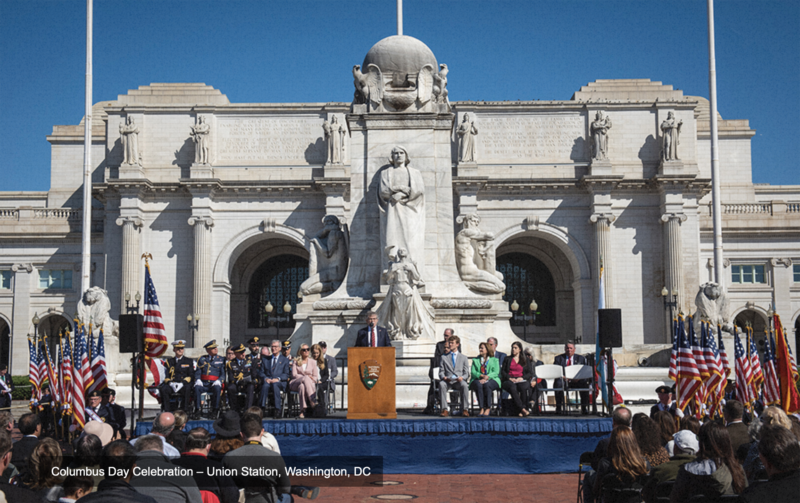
302,51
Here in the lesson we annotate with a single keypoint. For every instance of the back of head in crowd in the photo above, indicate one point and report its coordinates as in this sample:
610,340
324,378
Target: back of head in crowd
28,423
119,455
88,450
734,411
149,443
715,444
177,439
197,439
690,423
621,417
776,415
76,487
163,424
45,456
625,455
779,450
180,419
255,410
251,426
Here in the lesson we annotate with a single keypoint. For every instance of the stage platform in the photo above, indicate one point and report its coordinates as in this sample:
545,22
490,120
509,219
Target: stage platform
418,444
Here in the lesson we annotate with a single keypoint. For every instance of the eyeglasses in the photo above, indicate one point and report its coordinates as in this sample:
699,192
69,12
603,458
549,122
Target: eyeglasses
304,349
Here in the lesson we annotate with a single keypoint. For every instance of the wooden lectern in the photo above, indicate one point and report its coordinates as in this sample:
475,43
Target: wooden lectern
371,383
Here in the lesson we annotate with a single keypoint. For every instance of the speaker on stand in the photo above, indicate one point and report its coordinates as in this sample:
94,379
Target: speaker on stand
609,331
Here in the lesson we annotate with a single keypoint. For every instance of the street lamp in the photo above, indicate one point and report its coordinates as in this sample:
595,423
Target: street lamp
524,317
193,327
35,322
277,318
670,302
130,308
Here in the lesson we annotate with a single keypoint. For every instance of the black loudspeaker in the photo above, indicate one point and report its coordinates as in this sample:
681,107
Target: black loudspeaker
131,333
609,327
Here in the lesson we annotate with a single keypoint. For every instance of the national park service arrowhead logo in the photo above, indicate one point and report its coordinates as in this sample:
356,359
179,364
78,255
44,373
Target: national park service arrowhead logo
370,371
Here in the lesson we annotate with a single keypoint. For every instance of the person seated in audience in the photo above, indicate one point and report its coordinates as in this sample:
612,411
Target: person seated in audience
227,436
275,375
39,476
567,359
118,461
753,466
108,397
623,467
229,354
163,425
31,428
11,493
516,375
665,402
666,428
686,449
780,453
533,393
88,449
195,458
324,379
268,440
621,416
177,439
305,375
648,436
485,378
181,418
454,373
715,471
733,413
75,488
169,487
690,423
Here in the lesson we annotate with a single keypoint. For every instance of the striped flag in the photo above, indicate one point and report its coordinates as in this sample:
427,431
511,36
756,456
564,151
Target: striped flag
790,400
158,367
43,375
155,336
726,365
66,375
99,374
81,378
772,385
755,363
52,373
33,374
715,369
673,357
688,380
744,376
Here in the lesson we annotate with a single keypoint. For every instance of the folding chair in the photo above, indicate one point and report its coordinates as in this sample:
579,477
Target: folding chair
614,491
576,372
453,394
496,396
585,460
549,373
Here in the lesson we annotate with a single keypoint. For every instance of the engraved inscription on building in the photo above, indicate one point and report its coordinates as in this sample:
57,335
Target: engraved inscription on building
270,140
539,138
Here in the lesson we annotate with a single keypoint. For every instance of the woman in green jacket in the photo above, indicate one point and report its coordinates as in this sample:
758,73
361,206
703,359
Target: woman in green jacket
485,377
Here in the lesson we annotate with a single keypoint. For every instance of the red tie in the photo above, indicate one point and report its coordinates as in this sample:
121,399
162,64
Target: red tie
374,342
569,361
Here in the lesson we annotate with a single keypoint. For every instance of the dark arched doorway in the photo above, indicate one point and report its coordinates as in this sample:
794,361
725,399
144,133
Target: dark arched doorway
756,320
528,279
276,282
5,334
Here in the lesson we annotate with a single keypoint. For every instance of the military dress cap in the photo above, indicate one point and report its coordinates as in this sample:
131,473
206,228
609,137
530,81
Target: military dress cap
239,349
109,391
254,340
210,344
93,394
287,344
179,344
663,389
323,344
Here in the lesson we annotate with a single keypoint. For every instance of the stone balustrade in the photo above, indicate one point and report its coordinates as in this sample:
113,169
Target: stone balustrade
50,220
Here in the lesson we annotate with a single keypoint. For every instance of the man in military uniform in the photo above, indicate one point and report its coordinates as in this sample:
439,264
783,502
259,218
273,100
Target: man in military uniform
208,377
241,376
179,374
46,411
286,349
255,357
117,418
95,410
6,388
665,402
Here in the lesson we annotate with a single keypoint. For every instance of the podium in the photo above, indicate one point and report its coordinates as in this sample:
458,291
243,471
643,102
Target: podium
371,383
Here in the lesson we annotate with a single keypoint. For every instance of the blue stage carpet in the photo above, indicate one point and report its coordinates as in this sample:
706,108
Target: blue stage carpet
442,446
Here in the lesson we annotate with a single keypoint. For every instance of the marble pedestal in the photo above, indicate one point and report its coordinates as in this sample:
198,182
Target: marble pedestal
201,171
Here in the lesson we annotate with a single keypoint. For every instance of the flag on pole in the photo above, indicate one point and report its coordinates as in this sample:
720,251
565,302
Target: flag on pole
599,365
755,363
673,357
688,380
155,336
81,378
790,400
99,374
33,374
715,370
744,374
772,384
52,373
158,367
43,375
66,377
726,366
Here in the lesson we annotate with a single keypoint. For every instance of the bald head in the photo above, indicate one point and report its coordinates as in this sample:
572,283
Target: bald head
164,424
621,417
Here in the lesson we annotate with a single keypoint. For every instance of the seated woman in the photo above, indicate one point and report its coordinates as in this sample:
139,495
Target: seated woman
648,436
485,377
624,468
715,471
324,372
305,375
40,477
516,376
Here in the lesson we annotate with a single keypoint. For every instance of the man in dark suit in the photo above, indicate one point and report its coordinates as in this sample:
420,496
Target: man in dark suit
492,342
31,429
373,336
6,388
330,364
737,430
275,374
108,398
567,359
195,458
9,492
665,402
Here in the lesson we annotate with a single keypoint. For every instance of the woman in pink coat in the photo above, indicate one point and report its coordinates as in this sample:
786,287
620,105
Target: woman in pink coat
305,375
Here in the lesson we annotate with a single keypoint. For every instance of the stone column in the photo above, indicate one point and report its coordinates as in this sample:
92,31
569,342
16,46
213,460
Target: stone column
201,304
131,255
21,315
602,251
673,254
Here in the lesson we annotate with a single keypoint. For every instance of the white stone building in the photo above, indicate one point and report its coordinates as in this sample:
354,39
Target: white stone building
231,234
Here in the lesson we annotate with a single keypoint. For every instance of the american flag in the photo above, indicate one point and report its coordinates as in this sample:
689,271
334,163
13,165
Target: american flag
66,375
726,365
744,375
155,336
772,385
714,364
673,357
755,364
82,377
99,363
158,368
43,376
33,371
52,374
688,377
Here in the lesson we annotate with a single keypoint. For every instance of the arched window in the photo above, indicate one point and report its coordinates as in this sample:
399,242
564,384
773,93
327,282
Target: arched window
276,281
526,279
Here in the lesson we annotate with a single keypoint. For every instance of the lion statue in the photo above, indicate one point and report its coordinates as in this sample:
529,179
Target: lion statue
712,305
93,308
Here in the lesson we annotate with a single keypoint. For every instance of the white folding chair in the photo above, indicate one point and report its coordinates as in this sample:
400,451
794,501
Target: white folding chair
549,374
577,372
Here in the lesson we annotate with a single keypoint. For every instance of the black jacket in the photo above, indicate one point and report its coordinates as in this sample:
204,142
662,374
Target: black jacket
528,372
116,491
21,451
221,485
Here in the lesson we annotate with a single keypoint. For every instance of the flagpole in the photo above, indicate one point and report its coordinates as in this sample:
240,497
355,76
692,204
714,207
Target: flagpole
715,182
399,17
86,232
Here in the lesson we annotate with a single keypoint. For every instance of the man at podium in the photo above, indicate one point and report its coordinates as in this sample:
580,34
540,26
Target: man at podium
372,336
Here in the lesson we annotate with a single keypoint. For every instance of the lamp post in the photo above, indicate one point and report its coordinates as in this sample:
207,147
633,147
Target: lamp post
131,309
35,322
193,327
277,318
524,317
670,302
